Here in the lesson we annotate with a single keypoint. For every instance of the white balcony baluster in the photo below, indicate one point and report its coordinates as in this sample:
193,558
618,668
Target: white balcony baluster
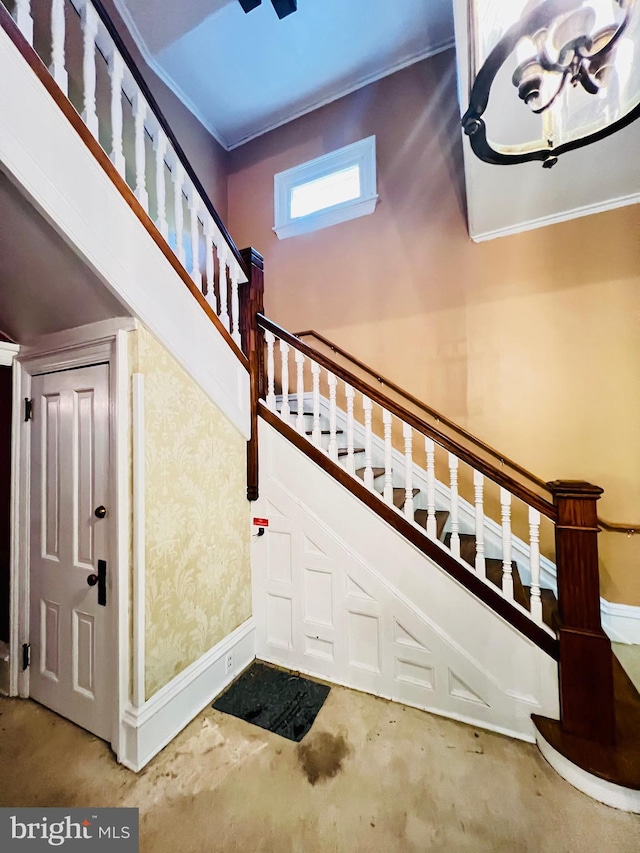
271,371
22,17
234,270
223,286
407,435
209,264
285,408
140,116
507,570
387,420
160,148
454,545
333,416
367,407
317,433
89,19
351,461
534,552
194,228
432,527
116,74
478,488
178,210
58,67
299,357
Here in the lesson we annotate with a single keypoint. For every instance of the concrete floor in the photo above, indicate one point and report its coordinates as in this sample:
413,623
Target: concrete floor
370,776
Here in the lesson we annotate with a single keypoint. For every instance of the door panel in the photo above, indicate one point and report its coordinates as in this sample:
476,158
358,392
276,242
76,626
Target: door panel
69,479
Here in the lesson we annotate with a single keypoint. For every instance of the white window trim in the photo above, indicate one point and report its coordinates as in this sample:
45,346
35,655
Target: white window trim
361,153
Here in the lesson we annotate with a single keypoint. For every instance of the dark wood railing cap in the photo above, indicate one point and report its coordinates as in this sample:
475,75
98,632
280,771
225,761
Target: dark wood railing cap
578,489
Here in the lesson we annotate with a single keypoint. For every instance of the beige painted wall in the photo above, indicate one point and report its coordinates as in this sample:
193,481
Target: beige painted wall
530,341
198,574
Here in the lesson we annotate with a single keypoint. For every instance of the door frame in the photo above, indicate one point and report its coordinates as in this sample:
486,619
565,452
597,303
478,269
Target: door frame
105,341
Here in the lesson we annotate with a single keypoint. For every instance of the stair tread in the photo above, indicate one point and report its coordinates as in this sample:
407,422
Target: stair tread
420,516
399,496
377,472
324,432
343,451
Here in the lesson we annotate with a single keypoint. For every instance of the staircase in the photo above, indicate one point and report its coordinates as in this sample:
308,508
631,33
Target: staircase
455,536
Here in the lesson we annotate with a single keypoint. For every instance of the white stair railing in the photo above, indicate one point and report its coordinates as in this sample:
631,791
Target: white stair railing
192,237
364,441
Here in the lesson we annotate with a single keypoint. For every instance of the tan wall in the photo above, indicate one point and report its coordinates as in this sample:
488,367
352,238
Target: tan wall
207,157
530,341
198,575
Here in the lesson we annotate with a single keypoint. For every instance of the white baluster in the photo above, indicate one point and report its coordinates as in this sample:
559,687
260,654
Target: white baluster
351,460
194,204
285,408
208,251
178,211
57,67
89,32
453,485
234,269
507,571
432,526
317,432
140,116
223,285
22,17
160,147
387,420
299,357
333,416
407,434
478,488
534,555
116,73
367,407
271,371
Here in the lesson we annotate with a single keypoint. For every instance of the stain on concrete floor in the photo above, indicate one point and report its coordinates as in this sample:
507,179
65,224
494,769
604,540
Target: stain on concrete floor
321,755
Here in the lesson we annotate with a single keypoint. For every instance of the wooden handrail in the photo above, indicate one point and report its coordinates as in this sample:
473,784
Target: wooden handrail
466,455
155,108
451,425
610,527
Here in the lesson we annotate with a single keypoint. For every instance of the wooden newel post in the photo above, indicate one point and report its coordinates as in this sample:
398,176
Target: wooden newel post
586,668
251,304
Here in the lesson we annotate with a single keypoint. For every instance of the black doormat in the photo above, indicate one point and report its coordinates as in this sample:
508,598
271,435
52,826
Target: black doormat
278,701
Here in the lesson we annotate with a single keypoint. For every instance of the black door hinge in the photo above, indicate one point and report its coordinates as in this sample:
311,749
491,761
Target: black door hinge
26,656
28,409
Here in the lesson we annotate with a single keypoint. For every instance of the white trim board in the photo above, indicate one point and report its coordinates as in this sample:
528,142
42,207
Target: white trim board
621,622
155,66
8,352
555,218
148,729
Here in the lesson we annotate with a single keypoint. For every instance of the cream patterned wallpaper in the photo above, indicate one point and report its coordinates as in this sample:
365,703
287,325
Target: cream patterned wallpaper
198,575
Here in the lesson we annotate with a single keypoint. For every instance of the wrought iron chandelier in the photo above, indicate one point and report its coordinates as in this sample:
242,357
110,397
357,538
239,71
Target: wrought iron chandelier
573,64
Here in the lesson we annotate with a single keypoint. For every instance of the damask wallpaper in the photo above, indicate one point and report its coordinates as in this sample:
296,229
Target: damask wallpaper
198,575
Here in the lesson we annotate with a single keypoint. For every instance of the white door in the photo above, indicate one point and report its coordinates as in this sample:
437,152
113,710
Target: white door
69,572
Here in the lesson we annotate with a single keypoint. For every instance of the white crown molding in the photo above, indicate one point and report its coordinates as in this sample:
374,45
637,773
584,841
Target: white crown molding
8,352
555,218
220,138
341,93
154,65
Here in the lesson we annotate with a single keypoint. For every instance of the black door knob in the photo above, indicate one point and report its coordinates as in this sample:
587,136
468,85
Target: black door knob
92,580
100,511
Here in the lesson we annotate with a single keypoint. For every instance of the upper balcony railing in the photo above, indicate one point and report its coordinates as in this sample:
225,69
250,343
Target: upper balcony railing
92,67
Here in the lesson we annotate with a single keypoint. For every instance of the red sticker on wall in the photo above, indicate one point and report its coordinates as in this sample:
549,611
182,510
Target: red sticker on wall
261,522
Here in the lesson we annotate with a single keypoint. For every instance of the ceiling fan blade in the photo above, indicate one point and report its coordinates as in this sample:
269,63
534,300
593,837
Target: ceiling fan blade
248,5
284,7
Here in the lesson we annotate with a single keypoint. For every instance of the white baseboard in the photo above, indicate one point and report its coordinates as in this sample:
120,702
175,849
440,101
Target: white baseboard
147,730
621,622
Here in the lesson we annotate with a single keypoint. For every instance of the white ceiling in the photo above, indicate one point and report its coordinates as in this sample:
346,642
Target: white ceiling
44,286
244,74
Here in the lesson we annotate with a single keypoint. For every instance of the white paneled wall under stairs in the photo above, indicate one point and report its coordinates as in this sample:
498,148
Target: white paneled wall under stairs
342,596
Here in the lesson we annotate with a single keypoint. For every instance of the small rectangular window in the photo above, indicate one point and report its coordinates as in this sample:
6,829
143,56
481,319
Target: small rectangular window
339,186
